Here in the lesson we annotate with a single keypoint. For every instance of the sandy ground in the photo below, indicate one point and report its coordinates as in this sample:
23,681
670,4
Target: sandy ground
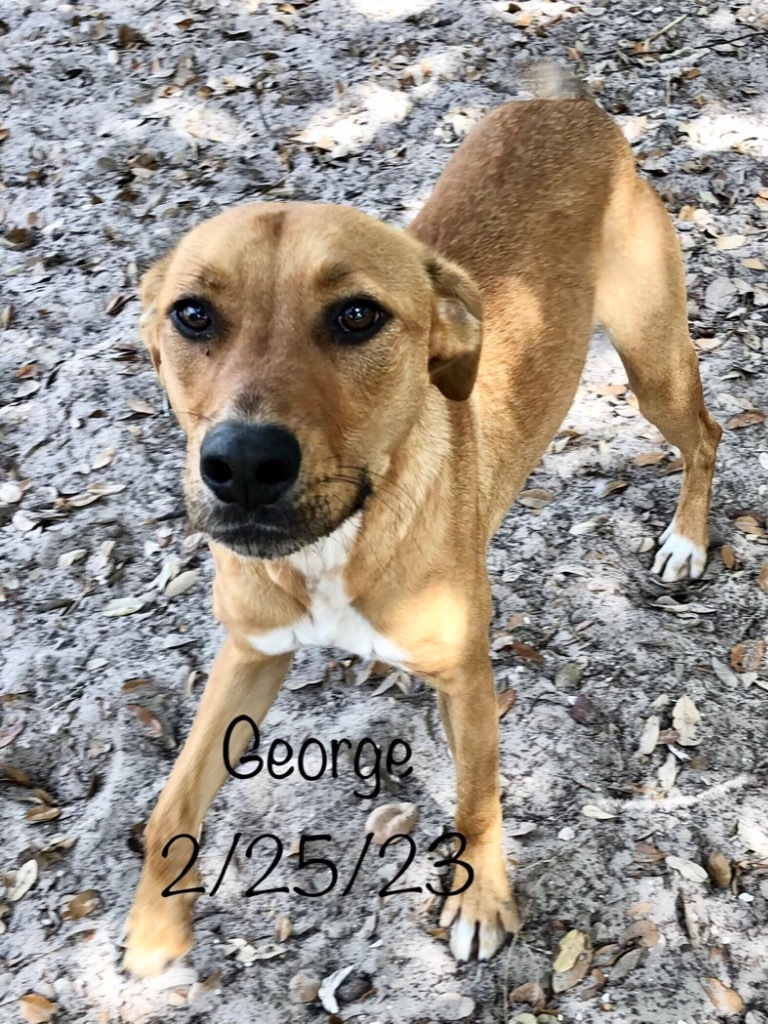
122,124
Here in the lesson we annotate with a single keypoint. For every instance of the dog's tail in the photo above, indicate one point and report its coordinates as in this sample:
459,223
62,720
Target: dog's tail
545,80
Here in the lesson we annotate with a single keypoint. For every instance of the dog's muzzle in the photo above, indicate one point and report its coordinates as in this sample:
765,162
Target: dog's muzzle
253,503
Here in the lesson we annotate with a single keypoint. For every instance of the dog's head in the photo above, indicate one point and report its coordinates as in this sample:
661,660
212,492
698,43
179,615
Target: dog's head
297,344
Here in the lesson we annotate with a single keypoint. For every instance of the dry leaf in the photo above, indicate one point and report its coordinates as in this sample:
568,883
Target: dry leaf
69,558
104,458
649,458
753,264
626,963
36,1009
644,933
16,775
42,813
527,652
752,833
573,960
720,294
283,928
722,996
569,949
724,674
748,655
181,584
535,498
668,773
745,419
748,524
646,852
611,487
599,813
708,344
8,735
762,579
650,736
728,556
81,905
140,407
687,868
18,883
146,718
727,242
505,701
122,606
720,870
532,993
685,721
391,820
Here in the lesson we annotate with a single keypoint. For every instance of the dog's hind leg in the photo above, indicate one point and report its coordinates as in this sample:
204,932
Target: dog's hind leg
641,301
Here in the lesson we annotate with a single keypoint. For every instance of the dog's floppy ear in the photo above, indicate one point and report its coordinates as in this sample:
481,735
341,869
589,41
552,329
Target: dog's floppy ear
149,289
457,330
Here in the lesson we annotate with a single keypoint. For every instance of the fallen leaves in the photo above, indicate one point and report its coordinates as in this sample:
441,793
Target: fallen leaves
147,719
535,498
598,813
81,905
650,736
746,419
572,960
36,1009
140,407
722,996
720,294
687,868
391,820
719,869
645,933
685,721
748,655
753,832
727,243
182,583
18,883
120,606
505,701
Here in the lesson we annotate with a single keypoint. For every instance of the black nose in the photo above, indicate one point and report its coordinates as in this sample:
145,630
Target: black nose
249,465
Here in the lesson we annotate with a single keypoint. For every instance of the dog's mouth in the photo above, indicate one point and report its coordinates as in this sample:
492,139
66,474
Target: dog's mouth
278,530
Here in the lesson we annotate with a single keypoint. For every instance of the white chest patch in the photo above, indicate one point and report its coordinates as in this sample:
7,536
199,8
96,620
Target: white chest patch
331,620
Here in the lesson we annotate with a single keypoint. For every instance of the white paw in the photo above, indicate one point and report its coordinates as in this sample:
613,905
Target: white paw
678,557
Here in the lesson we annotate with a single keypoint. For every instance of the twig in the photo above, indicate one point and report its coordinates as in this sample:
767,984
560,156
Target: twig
667,28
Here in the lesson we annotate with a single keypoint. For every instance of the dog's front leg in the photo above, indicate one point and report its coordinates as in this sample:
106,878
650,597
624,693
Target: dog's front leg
485,912
242,682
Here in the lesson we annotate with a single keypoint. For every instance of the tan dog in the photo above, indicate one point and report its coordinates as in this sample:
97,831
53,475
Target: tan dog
352,450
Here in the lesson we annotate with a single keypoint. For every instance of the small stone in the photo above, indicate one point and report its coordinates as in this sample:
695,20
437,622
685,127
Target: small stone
569,676
303,988
454,1007
354,987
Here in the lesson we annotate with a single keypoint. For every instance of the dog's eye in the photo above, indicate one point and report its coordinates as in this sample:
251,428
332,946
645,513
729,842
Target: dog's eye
357,319
193,318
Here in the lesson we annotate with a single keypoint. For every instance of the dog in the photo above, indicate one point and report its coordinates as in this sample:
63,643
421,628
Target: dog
363,403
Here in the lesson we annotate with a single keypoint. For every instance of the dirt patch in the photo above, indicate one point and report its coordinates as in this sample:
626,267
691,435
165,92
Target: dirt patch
123,125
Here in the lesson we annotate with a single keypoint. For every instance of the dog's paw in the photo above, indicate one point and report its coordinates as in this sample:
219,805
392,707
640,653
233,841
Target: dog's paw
678,558
157,934
483,915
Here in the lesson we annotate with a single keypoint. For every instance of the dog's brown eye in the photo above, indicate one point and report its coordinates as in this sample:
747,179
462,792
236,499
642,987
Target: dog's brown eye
357,320
192,317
